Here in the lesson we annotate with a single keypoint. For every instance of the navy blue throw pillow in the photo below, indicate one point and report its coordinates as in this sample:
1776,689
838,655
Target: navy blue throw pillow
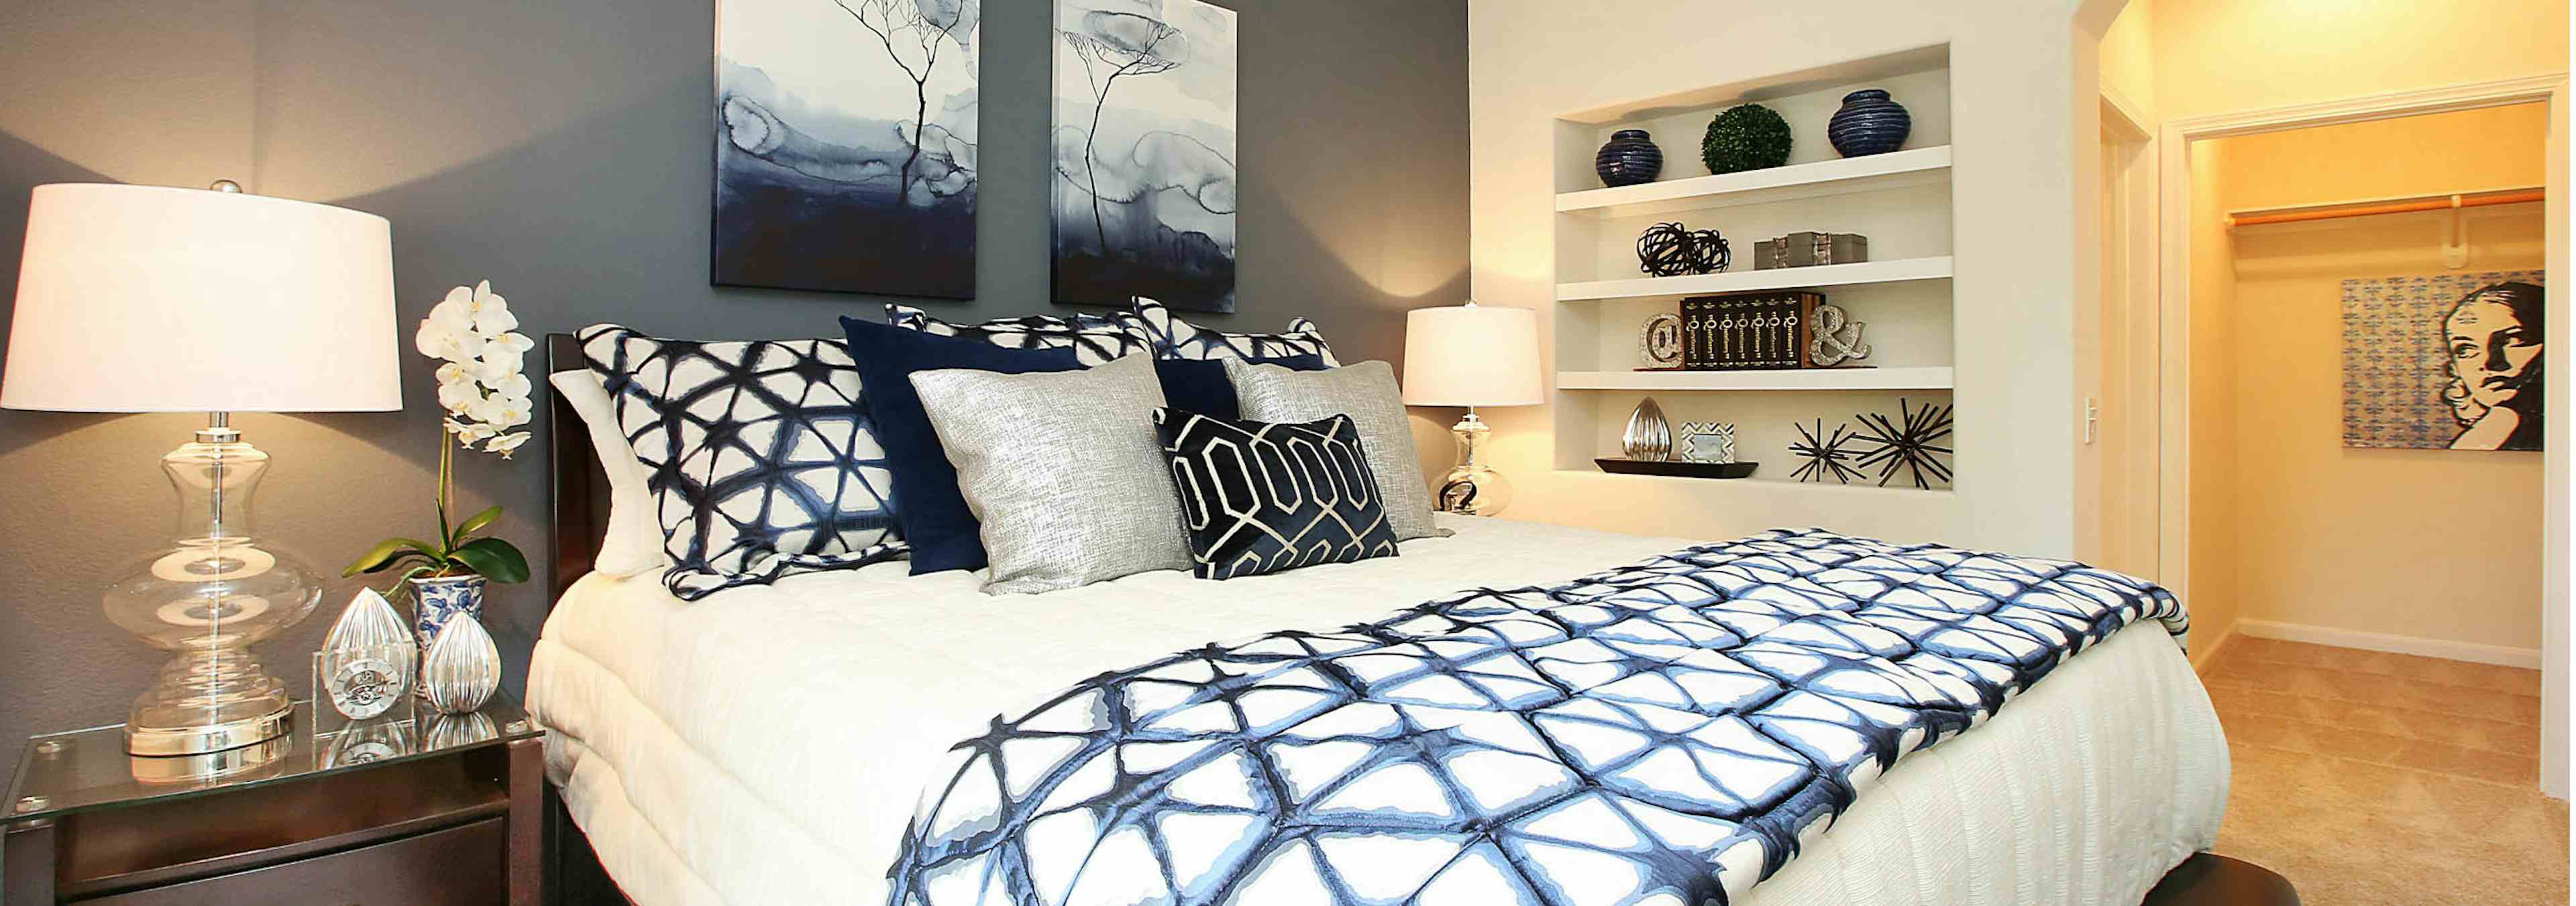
927,504
1200,385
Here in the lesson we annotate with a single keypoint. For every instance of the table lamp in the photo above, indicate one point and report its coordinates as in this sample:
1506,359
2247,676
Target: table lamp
151,299
1471,355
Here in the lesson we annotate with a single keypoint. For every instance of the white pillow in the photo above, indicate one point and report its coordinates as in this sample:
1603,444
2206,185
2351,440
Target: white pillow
634,541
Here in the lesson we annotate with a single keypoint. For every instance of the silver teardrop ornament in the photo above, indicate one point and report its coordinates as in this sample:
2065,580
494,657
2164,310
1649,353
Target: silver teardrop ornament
1648,436
464,667
367,658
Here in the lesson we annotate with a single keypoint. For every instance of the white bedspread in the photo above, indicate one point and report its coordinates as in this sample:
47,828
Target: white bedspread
741,749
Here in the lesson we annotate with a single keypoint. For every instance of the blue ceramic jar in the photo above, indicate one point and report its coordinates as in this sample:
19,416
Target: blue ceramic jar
1868,123
1629,158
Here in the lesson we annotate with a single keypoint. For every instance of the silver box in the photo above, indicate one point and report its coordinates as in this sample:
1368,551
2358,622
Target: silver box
1805,249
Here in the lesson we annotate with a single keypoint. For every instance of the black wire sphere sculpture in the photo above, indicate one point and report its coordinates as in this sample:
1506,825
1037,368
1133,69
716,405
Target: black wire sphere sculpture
1826,455
1914,443
1670,250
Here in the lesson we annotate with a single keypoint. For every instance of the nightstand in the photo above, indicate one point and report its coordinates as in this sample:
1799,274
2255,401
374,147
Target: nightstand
431,810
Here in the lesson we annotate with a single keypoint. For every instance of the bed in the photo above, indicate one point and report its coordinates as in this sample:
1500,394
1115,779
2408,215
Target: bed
773,744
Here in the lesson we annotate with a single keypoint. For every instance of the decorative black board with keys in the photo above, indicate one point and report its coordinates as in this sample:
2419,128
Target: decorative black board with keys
1745,331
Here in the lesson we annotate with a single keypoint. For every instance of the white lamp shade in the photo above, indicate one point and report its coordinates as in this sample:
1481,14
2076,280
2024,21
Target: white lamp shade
152,299
1471,355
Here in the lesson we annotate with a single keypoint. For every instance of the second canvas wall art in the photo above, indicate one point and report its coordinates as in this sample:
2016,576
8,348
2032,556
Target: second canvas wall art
1144,183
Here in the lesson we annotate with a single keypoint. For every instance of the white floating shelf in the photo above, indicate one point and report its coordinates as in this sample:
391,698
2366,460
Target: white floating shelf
1895,169
1923,378
1899,270
1768,481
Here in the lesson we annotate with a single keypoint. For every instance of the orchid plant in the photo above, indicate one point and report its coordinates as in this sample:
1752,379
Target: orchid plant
484,389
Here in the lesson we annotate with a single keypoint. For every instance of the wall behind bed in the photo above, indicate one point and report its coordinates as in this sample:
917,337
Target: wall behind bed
562,150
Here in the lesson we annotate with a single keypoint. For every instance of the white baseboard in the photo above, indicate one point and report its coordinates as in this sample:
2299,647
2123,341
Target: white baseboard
2527,658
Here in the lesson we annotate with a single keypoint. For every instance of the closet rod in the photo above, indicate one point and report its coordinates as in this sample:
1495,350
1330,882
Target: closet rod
2391,206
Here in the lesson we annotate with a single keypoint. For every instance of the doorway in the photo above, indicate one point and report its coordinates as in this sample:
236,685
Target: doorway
2195,468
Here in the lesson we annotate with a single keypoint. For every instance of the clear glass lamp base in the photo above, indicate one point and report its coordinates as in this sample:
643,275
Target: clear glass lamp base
208,701
208,596
1473,489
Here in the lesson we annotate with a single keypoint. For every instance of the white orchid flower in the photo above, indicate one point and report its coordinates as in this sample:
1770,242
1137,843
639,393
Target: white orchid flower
473,331
514,384
487,311
506,444
512,411
456,312
498,365
486,409
459,399
432,339
438,341
468,433
448,333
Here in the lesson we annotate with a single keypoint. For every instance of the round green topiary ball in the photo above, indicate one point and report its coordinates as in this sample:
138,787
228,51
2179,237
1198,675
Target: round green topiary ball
1745,137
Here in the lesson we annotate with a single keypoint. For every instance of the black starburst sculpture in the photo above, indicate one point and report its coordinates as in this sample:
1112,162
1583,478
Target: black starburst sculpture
1826,454
1915,447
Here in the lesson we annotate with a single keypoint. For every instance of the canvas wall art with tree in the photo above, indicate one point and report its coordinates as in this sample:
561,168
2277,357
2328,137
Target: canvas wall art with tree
845,145
1144,187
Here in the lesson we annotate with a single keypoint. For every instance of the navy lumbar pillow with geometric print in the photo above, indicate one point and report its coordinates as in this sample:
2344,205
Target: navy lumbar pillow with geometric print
1262,497
1094,339
1174,338
763,461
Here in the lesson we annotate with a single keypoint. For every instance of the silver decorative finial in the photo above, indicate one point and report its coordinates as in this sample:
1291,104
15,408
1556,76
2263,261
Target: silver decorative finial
226,185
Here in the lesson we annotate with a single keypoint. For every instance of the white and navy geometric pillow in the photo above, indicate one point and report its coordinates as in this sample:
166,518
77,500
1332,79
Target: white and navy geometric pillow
1262,497
1094,339
1174,338
763,460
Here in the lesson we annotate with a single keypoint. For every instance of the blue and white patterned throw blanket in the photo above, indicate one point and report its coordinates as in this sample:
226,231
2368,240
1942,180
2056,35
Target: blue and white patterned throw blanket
1658,733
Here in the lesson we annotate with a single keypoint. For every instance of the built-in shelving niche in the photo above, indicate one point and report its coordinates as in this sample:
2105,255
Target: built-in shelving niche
1901,200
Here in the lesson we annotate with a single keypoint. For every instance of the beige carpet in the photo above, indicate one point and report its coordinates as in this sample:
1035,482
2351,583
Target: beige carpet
2370,778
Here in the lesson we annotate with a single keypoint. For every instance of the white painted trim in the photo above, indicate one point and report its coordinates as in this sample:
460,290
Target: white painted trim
2134,207
2475,653
2559,498
2125,118
2173,359
1903,378
2445,99
2173,154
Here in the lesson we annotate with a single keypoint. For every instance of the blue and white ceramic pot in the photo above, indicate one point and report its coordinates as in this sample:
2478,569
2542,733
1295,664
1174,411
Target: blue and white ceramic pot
1869,123
436,600
1629,158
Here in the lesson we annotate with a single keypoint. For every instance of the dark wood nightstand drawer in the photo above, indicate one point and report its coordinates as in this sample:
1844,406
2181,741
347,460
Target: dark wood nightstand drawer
459,866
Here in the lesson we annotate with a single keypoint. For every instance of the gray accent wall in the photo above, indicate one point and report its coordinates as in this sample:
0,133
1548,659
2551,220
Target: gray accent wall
562,151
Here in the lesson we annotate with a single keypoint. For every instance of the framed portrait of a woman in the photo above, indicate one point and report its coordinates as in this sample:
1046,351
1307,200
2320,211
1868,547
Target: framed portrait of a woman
2444,361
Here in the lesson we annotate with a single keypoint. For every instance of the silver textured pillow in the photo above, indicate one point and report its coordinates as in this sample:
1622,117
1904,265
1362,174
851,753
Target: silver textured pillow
1063,469
1367,393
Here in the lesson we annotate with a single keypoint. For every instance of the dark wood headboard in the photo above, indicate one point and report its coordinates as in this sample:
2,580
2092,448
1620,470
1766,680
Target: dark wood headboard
576,486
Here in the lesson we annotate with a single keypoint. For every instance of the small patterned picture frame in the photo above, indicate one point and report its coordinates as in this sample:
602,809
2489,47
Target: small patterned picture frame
1711,442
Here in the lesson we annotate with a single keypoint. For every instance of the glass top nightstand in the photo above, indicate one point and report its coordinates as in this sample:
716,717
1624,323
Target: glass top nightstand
84,770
